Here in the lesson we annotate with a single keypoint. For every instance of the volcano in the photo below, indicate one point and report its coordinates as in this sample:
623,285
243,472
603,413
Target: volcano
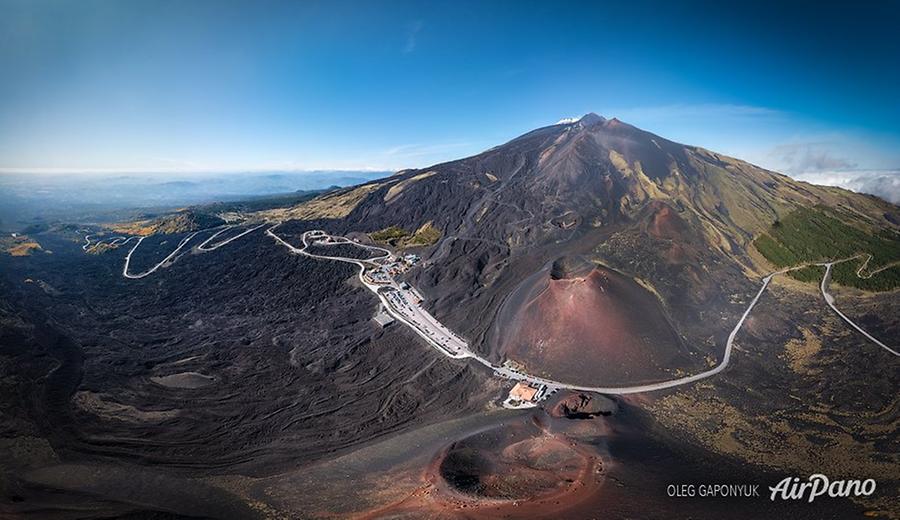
239,380
671,228
601,326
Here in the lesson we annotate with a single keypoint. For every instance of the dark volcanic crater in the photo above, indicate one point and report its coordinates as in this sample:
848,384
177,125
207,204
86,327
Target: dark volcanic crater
591,252
513,462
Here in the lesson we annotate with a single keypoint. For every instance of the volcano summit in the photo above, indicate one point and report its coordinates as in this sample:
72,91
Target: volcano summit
741,324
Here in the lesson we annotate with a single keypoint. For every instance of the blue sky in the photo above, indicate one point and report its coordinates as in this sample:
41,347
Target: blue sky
236,86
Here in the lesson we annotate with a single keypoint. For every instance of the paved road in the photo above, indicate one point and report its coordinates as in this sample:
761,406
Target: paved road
398,302
113,241
203,246
153,269
436,334
829,299
428,327
870,274
401,303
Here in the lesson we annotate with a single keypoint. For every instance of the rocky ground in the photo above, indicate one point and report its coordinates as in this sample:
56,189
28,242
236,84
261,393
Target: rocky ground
250,382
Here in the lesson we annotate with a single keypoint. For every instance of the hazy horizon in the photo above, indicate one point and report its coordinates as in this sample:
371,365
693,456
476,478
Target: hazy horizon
109,88
425,259
101,196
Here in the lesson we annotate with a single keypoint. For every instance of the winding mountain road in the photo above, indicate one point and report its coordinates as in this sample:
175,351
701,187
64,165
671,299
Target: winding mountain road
829,299
460,350
203,246
153,269
398,302
113,241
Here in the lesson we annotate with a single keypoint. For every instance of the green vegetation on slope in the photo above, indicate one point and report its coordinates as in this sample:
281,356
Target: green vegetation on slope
810,274
809,235
20,245
389,235
426,235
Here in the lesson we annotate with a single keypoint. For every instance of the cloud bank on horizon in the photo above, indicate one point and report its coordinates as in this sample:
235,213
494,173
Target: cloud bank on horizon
831,163
881,183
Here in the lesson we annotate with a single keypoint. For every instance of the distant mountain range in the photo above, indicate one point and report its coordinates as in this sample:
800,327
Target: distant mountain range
87,196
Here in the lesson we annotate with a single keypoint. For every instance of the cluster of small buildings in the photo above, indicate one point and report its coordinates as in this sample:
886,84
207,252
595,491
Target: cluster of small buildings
393,266
524,394
379,276
400,264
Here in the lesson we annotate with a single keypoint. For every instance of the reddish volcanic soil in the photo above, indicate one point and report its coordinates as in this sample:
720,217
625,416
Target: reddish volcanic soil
665,223
511,471
600,328
673,234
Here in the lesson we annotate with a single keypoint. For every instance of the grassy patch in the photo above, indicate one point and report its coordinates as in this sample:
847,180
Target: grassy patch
426,235
332,205
813,234
22,246
179,222
389,235
398,188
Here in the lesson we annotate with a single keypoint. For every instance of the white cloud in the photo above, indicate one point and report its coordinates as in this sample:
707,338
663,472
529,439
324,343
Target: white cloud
809,157
881,183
